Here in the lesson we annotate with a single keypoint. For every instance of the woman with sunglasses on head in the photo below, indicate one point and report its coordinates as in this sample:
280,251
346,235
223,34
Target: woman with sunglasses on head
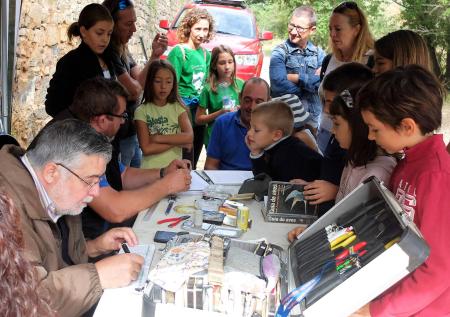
90,59
128,73
350,41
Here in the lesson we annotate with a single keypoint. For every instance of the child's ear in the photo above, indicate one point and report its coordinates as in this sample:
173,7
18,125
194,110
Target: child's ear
277,134
408,126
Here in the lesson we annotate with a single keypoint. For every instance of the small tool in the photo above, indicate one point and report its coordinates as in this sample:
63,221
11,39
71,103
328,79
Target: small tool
174,221
352,250
171,201
344,243
340,239
205,177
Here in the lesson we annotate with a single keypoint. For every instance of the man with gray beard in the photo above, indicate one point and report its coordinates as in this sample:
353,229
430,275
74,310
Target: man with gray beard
50,184
124,190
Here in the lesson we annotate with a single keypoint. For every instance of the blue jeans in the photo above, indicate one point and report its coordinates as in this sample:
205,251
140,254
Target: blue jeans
130,153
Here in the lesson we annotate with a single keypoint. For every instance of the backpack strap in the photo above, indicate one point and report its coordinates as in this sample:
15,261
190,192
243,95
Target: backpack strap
325,62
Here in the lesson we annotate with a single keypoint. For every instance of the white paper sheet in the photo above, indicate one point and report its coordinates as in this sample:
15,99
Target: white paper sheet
229,177
146,251
197,183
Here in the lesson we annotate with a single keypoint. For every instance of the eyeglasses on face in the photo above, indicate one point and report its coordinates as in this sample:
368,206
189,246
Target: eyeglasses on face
90,185
298,28
123,116
346,5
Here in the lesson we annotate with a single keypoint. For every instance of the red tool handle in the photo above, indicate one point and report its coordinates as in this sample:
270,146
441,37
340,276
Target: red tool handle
352,249
167,220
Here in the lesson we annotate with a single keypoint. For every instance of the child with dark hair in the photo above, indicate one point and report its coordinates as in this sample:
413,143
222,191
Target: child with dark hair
274,150
364,157
90,59
403,108
162,122
350,76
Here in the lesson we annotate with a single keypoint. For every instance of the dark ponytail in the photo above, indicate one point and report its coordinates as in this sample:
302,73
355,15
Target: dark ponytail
73,30
89,16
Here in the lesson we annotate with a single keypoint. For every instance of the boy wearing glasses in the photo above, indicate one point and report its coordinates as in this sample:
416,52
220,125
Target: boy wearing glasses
295,64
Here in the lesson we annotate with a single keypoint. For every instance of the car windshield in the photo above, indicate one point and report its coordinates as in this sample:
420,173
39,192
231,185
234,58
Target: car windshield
229,21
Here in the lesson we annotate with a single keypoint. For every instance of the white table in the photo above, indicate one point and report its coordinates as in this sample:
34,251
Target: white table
125,302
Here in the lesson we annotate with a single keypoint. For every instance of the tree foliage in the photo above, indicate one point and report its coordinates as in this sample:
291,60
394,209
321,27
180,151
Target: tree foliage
430,18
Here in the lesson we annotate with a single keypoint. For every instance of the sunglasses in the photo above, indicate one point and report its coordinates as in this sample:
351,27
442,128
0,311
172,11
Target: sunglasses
346,5
122,5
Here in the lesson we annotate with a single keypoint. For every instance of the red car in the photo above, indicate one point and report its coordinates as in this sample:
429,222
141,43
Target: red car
235,26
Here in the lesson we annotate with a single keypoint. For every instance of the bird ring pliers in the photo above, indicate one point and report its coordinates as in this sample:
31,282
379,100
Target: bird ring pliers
174,221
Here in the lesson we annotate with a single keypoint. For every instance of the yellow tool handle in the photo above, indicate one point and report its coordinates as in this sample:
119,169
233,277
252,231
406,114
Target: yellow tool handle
341,238
344,243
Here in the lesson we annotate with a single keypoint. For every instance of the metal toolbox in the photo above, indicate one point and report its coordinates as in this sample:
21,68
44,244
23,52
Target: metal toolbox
389,264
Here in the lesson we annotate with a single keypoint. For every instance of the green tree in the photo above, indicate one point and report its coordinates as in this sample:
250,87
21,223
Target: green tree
431,19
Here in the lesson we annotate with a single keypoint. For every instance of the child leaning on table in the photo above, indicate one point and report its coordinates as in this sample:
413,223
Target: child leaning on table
273,149
403,108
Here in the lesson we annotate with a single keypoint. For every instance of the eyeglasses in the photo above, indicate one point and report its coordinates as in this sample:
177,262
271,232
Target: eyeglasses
346,5
298,28
123,116
90,185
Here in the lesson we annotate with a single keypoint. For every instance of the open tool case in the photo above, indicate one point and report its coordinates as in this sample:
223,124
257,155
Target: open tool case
357,250
386,247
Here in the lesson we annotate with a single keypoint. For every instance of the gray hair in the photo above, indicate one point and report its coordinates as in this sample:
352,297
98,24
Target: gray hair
64,141
306,11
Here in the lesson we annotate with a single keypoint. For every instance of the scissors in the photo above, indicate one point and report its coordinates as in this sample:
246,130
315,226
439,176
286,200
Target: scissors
174,221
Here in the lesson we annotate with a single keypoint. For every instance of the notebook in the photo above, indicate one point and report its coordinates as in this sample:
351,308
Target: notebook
146,251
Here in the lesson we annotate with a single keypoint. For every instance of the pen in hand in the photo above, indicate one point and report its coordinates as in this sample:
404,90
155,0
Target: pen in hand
125,248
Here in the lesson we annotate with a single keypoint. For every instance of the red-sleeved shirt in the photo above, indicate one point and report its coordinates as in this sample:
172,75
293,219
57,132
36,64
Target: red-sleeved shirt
421,183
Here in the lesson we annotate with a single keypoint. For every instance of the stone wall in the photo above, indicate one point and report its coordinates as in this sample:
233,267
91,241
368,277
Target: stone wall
42,41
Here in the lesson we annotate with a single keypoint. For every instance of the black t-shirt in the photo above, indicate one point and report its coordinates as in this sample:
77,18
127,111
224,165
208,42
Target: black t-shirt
121,65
